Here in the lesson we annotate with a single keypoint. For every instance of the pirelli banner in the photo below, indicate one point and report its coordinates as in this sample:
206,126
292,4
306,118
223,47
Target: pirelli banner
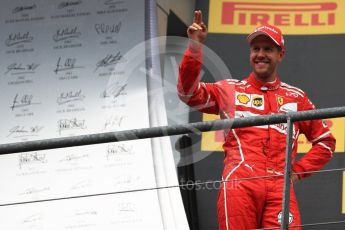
314,33
293,16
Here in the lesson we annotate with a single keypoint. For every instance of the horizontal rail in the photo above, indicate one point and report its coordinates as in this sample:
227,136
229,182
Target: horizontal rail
307,225
169,130
188,186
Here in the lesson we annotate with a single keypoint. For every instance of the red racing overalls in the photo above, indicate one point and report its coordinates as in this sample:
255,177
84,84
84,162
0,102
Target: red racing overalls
255,152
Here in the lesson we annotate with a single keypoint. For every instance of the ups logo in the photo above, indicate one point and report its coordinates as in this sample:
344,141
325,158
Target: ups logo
258,101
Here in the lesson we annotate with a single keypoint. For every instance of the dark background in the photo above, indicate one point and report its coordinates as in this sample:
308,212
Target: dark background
313,63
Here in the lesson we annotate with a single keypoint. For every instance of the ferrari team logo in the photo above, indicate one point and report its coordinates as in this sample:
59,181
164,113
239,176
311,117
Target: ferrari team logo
280,100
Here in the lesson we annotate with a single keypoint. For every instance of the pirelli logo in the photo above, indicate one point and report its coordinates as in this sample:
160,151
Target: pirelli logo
293,16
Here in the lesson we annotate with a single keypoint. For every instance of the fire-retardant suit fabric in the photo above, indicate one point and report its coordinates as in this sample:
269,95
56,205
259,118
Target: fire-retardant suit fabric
255,152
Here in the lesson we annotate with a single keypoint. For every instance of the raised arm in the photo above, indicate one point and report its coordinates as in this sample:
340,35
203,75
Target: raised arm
197,94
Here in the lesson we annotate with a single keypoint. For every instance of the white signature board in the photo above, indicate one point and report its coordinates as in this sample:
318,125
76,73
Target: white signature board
64,72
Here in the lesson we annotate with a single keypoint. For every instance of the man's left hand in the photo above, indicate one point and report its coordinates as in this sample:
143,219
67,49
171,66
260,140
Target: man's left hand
294,178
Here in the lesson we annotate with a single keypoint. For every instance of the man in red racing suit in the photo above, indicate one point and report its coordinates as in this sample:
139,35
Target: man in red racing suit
254,152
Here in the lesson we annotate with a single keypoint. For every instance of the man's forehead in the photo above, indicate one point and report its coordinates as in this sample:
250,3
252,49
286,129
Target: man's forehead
262,40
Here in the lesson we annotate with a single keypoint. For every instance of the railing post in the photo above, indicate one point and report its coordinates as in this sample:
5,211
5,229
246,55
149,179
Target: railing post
287,176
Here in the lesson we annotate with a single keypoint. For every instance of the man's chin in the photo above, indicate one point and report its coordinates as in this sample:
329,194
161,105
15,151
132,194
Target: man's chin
262,75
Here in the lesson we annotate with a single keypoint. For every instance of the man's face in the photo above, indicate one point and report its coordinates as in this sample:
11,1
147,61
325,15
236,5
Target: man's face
265,56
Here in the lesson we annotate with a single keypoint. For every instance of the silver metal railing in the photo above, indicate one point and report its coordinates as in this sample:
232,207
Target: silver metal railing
134,134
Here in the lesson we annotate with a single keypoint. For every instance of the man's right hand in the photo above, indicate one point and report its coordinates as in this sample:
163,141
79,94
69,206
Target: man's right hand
198,30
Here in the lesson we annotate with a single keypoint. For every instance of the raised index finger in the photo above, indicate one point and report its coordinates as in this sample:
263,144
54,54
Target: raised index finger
200,17
197,17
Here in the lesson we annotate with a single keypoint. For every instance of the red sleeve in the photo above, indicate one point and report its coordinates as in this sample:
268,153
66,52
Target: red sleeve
199,95
323,143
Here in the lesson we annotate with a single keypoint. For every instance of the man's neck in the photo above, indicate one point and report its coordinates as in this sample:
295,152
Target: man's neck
266,80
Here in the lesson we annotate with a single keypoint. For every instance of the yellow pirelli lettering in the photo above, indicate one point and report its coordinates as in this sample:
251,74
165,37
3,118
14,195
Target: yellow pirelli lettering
291,16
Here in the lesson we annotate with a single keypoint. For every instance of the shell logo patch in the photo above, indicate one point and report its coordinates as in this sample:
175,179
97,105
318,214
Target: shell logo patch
242,98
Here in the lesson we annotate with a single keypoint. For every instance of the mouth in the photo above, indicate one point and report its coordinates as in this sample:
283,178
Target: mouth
261,63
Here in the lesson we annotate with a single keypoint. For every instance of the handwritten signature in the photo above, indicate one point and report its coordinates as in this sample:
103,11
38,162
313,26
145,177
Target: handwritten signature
23,8
16,68
68,124
65,4
21,131
69,64
33,218
30,158
66,33
33,190
66,97
110,59
125,180
112,2
24,100
116,150
114,91
17,38
85,212
106,28
127,207
82,185
113,122
74,157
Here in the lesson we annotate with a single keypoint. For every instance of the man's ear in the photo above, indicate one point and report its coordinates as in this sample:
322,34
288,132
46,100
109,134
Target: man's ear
281,55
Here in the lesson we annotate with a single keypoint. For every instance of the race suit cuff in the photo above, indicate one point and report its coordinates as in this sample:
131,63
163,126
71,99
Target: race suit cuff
298,169
194,53
195,47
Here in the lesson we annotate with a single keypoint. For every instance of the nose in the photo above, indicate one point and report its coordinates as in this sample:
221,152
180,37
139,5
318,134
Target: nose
261,53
